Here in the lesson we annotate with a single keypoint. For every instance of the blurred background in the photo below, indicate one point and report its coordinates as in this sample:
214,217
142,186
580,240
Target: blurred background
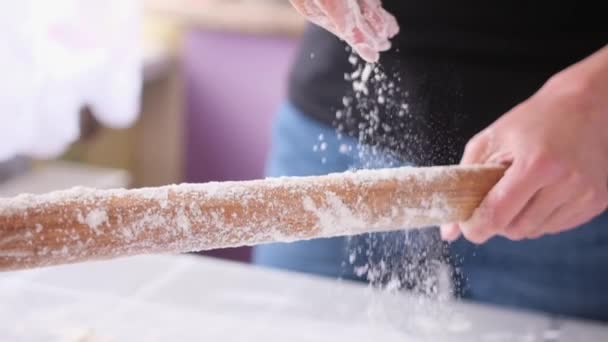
214,71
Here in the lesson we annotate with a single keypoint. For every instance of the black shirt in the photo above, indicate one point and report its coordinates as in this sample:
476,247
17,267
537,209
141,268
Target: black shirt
456,66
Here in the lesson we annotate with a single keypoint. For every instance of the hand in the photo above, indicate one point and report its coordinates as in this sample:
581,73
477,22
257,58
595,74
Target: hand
556,144
363,24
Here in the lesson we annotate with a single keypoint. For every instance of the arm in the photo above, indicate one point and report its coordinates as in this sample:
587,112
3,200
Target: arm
556,144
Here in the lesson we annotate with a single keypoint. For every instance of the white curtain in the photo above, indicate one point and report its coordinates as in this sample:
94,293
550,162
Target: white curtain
57,56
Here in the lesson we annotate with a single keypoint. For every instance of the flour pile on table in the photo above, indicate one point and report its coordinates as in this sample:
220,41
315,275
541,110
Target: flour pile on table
59,56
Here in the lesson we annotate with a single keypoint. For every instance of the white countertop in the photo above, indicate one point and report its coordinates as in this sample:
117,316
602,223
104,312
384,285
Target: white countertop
187,298
60,175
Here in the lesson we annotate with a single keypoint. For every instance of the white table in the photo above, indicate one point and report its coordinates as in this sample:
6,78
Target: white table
187,298
60,175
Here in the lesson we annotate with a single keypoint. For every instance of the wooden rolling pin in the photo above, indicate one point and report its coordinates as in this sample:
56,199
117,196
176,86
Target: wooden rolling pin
86,224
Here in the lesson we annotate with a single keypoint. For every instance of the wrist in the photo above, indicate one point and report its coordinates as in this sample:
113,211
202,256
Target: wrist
576,96
571,90
587,80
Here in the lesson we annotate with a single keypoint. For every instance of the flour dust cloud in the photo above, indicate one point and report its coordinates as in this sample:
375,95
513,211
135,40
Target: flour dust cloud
376,114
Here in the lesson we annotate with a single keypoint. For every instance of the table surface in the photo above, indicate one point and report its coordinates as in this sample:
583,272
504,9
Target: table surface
59,175
187,298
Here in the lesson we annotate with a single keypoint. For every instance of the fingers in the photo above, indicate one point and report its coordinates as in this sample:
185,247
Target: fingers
370,11
361,34
337,12
505,201
576,212
535,198
306,8
391,23
367,53
557,177
548,212
450,232
363,24
521,201
376,26
533,217
383,25
314,14
475,153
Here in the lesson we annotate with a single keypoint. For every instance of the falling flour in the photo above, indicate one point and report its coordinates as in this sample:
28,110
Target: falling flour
403,260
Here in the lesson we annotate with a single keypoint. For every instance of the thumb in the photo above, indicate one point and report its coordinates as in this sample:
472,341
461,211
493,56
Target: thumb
477,150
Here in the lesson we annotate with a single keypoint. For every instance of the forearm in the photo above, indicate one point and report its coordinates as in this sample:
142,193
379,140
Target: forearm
595,68
588,79
594,71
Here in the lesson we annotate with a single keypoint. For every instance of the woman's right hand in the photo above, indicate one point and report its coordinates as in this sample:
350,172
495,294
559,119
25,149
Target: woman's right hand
363,24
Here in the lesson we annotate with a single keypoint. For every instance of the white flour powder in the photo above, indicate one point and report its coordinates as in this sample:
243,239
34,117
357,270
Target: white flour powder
391,262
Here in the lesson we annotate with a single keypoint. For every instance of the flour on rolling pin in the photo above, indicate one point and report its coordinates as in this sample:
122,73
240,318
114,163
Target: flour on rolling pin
82,224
